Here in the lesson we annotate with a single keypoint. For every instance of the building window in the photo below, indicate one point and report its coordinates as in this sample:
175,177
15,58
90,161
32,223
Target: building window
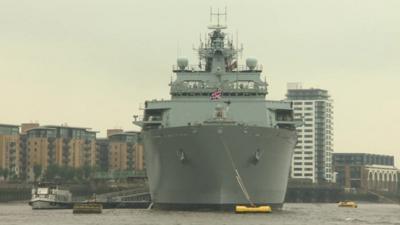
308,103
297,108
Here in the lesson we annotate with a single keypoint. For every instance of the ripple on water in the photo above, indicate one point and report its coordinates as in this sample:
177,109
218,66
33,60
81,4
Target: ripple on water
310,214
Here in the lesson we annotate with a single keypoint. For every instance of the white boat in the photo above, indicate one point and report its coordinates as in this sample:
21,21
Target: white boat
50,196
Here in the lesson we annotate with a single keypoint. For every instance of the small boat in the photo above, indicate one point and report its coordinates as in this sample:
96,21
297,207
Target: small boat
87,207
348,204
50,196
252,209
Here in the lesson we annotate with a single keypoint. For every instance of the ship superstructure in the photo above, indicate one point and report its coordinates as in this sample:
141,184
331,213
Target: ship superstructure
217,142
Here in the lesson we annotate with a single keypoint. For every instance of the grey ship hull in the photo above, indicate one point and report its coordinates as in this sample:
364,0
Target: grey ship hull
190,168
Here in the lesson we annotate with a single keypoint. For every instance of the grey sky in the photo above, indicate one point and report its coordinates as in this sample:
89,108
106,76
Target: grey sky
92,62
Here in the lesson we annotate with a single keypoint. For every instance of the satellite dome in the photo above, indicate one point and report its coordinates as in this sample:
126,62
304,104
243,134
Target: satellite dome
182,63
251,63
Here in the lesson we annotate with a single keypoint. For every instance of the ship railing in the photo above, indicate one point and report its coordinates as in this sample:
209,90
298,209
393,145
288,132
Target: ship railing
210,90
210,87
245,68
120,174
231,68
148,121
189,68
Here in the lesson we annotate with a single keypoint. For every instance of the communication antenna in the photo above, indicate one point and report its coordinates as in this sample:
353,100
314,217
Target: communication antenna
241,50
237,59
200,39
217,15
178,51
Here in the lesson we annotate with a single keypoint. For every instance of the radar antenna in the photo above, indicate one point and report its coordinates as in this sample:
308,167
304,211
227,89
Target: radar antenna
217,15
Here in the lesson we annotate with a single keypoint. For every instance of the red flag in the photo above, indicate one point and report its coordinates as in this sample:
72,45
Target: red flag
216,94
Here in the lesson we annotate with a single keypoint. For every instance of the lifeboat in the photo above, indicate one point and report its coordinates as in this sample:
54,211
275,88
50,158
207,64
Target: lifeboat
252,209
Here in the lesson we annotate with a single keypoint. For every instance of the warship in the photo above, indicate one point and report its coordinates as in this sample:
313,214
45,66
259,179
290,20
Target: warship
217,142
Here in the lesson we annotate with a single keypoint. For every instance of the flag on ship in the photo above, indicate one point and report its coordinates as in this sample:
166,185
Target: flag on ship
216,94
233,66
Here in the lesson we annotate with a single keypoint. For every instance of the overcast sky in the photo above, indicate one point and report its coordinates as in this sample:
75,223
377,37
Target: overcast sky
91,63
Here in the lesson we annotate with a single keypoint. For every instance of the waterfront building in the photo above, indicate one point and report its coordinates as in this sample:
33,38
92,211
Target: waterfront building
9,146
59,145
28,126
120,151
366,172
114,131
312,158
102,149
74,147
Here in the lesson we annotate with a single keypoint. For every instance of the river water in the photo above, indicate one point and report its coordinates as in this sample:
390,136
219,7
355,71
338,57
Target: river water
310,214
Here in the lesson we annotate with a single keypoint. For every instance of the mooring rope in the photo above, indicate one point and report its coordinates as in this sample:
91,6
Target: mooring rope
238,177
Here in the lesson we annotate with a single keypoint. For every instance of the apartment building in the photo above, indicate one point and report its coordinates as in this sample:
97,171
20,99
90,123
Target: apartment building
9,149
59,145
312,158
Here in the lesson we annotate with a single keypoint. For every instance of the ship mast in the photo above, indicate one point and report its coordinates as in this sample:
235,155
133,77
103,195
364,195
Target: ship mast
218,54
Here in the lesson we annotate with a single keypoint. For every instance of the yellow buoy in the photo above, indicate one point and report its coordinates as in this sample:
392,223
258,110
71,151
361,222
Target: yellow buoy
348,204
252,209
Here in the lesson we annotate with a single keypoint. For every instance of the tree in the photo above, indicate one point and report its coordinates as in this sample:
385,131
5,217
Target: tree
6,172
37,171
79,173
87,171
67,173
52,171
13,176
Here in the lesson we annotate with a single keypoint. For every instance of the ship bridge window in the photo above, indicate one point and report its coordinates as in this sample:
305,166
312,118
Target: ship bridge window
284,118
194,84
153,118
243,84
284,115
